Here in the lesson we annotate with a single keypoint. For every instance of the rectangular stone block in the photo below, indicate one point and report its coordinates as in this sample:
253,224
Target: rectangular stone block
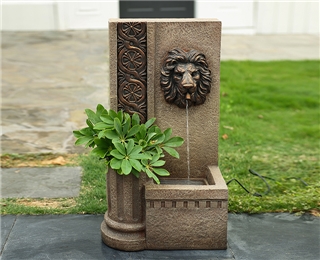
193,216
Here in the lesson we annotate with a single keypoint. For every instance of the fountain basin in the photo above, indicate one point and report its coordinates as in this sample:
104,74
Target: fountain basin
179,181
187,216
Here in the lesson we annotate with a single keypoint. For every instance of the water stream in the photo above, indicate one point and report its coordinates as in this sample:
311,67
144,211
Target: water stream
188,150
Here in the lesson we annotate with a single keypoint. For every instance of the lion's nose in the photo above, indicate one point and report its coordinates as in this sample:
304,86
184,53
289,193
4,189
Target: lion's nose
187,81
188,86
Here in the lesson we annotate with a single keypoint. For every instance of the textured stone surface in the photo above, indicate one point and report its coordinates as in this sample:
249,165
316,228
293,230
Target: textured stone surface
198,213
274,236
205,36
44,182
262,236
7,223
201,209
48,79
124,222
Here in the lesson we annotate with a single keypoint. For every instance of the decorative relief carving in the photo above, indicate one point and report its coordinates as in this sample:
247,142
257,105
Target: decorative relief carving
187,204
132,68
185,76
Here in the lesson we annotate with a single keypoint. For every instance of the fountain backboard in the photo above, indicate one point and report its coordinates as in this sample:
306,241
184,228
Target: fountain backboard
158,67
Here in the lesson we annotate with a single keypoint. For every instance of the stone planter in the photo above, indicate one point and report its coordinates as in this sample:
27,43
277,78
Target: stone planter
124,223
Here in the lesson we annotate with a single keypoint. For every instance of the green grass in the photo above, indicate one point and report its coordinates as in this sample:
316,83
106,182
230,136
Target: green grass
92,198
269,118
273,109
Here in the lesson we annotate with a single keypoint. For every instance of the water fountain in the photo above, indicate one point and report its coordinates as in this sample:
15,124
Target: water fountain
169,69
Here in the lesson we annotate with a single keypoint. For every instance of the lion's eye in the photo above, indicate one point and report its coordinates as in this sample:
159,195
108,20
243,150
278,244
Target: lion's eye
194,74
178,74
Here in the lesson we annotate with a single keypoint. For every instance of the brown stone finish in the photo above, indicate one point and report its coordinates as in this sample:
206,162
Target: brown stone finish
164,35
132,68
196,213
124,222
185,78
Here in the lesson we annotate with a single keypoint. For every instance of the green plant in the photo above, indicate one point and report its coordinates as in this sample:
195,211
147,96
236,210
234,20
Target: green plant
127,145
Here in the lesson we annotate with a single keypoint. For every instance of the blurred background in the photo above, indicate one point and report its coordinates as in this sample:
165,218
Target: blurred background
55,55
238,16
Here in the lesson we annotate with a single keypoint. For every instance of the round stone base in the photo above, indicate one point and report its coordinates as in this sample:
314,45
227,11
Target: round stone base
126,241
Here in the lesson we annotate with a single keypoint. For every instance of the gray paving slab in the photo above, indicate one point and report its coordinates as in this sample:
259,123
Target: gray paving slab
78,237
274,236
48,79
270,47
41,182
6,224
250,237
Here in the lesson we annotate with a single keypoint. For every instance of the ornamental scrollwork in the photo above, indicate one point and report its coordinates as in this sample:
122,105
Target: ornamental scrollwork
132,68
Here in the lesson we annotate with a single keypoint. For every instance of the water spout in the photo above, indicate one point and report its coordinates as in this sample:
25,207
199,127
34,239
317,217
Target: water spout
188,148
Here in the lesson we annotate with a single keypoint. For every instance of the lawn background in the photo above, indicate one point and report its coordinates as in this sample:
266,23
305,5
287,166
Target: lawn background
269,122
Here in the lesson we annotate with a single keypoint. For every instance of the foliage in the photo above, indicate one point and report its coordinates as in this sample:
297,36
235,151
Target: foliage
127,145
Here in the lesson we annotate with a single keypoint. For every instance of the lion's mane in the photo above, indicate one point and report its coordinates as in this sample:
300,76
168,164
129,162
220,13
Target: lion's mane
172,93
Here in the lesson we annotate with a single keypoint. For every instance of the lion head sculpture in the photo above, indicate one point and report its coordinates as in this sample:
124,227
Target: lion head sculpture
185,76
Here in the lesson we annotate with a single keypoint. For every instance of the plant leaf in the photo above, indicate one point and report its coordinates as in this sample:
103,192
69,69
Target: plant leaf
135,119
130,146
126,125
135,172
103,143
126,167
152,175
111,134
117,126
107,119
77,134
90,144
112,114
167,134
171,151
136,149
87,131
161,171
101,126
89,123
150,135
150,122
142,132
135,129
120,115
158,163
140,156
92,116
100,110
83,140
155,158
174,142
99,151
136,164
157,139
120,147
115,153
115,164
